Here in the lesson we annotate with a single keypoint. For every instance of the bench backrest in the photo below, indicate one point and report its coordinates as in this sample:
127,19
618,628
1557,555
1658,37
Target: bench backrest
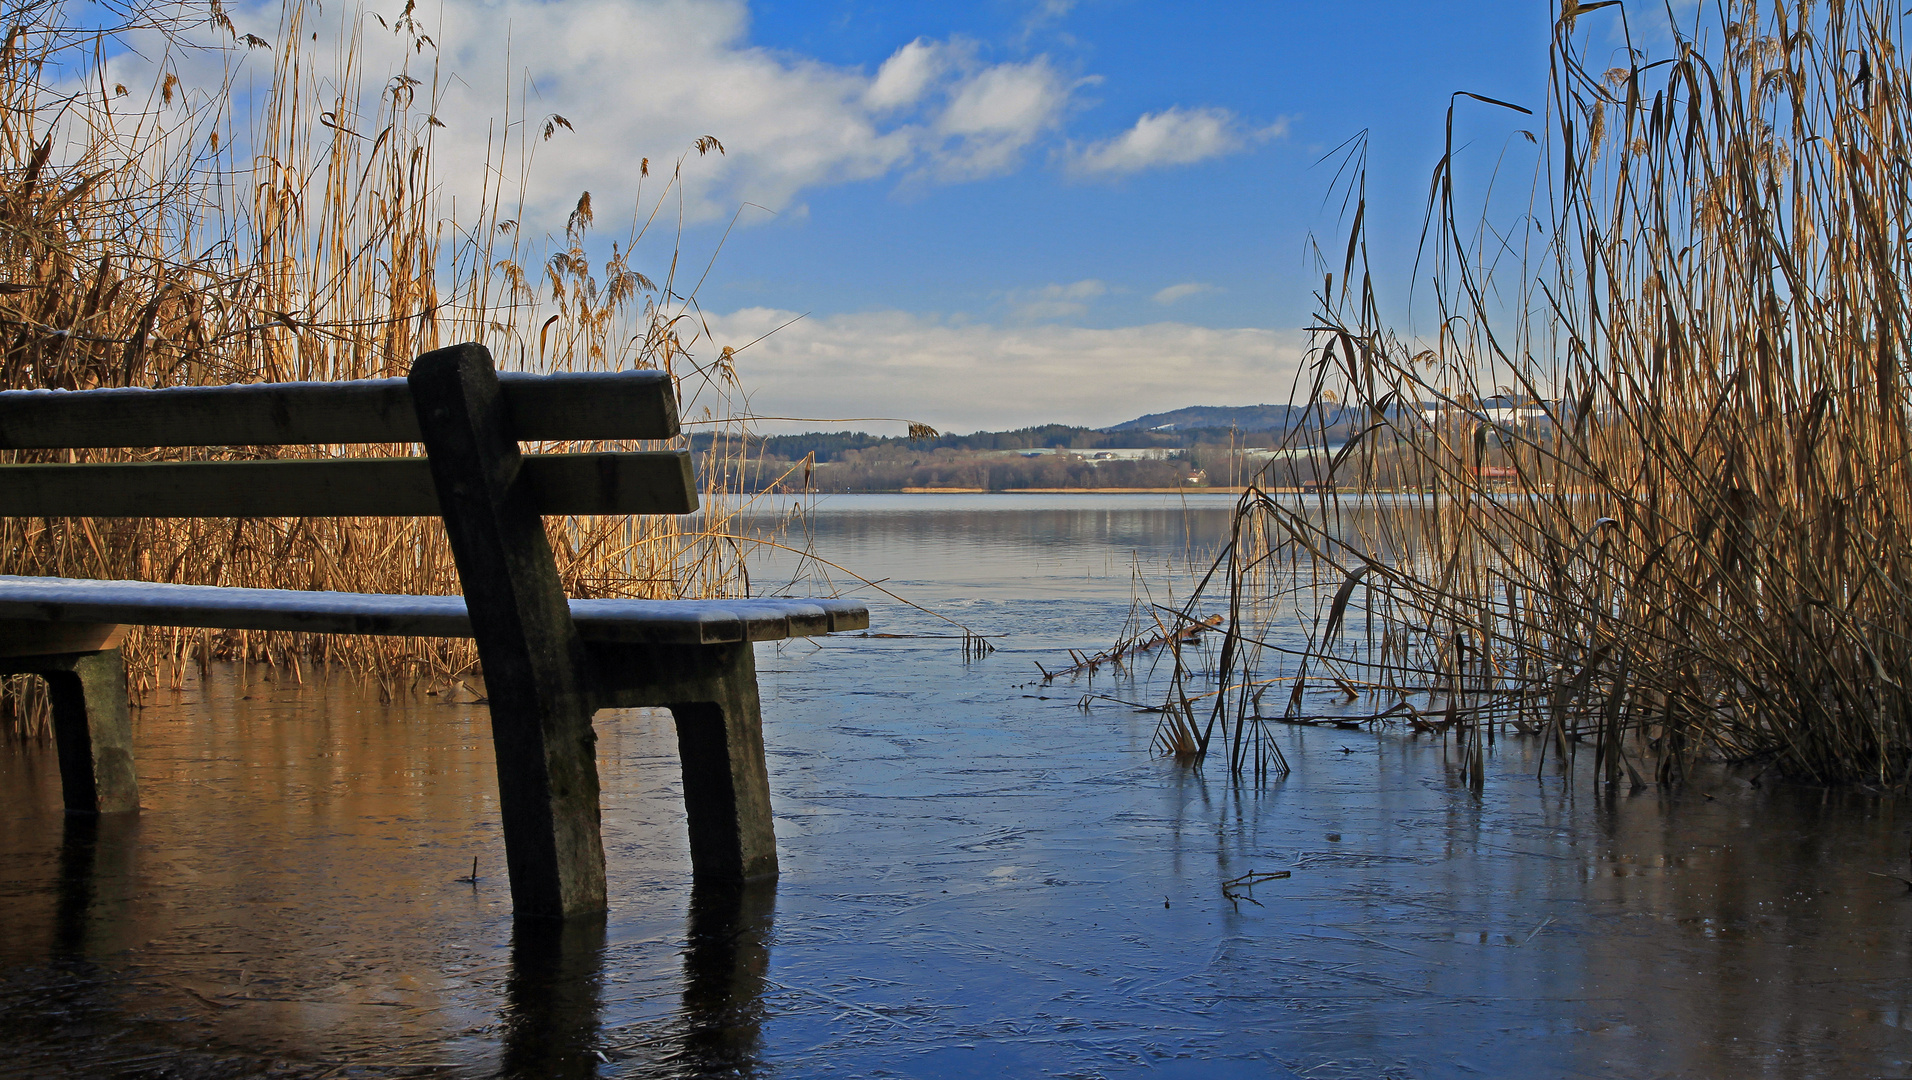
571,407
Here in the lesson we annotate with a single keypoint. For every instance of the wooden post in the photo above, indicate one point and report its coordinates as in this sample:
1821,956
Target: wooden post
726,784
93,731
533,659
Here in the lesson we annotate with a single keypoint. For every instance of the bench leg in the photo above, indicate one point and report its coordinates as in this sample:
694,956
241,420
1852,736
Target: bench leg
93,730
533,659
548,795
726,784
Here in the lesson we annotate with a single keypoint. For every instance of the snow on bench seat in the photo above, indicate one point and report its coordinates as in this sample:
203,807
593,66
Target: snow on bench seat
659,622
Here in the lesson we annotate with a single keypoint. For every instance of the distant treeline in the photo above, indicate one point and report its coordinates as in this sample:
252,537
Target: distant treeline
837,461
829,446
894,468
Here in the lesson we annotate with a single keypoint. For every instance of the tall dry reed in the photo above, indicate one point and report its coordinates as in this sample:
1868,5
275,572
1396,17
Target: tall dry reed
178,234
1644,488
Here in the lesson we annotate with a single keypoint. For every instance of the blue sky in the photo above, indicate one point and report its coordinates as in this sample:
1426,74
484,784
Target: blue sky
1236,222
1006,212
1230,229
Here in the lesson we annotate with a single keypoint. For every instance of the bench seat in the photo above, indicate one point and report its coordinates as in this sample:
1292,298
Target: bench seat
649,622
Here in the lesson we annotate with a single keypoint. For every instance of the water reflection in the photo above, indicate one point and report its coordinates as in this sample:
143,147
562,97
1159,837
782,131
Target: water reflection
92,847
724,968
1009,547
552,999
555,992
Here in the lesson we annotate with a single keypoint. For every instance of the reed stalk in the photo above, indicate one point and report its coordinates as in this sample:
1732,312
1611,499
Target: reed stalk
175,234
1645,488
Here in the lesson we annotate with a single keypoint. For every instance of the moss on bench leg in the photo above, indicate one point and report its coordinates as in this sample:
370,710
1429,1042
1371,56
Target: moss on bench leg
94,731
726,783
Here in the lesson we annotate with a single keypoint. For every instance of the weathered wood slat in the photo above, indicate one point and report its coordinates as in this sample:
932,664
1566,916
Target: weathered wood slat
645,482
663,622
657,622
580,406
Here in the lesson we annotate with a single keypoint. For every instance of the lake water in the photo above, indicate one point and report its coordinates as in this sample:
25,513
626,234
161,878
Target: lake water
980,878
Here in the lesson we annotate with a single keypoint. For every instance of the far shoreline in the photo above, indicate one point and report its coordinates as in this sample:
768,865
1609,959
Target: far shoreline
1075,491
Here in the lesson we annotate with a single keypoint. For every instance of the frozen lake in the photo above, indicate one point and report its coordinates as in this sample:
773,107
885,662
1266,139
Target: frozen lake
980,878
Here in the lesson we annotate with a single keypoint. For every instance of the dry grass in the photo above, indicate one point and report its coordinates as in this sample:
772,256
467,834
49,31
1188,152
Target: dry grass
1689,541
172,234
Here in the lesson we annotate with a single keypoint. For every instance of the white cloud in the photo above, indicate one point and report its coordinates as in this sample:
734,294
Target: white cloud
643,78
1042,15
1055,301
967,376
1174,136
906,74
997,113
1048,11
646,78
1182,291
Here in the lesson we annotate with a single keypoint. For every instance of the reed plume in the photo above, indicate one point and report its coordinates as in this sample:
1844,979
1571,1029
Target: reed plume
176,234
1645,487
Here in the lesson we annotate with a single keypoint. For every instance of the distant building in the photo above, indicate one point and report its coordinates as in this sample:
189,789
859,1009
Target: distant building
1496,475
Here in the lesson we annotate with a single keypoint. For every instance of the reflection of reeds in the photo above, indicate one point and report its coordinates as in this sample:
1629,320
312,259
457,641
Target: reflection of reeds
143,243
1651,493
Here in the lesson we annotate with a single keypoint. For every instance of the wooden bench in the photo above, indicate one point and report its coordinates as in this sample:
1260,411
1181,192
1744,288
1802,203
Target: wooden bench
549,663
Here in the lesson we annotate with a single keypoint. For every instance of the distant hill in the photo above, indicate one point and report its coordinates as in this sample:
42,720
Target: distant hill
1241,417
1202,425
